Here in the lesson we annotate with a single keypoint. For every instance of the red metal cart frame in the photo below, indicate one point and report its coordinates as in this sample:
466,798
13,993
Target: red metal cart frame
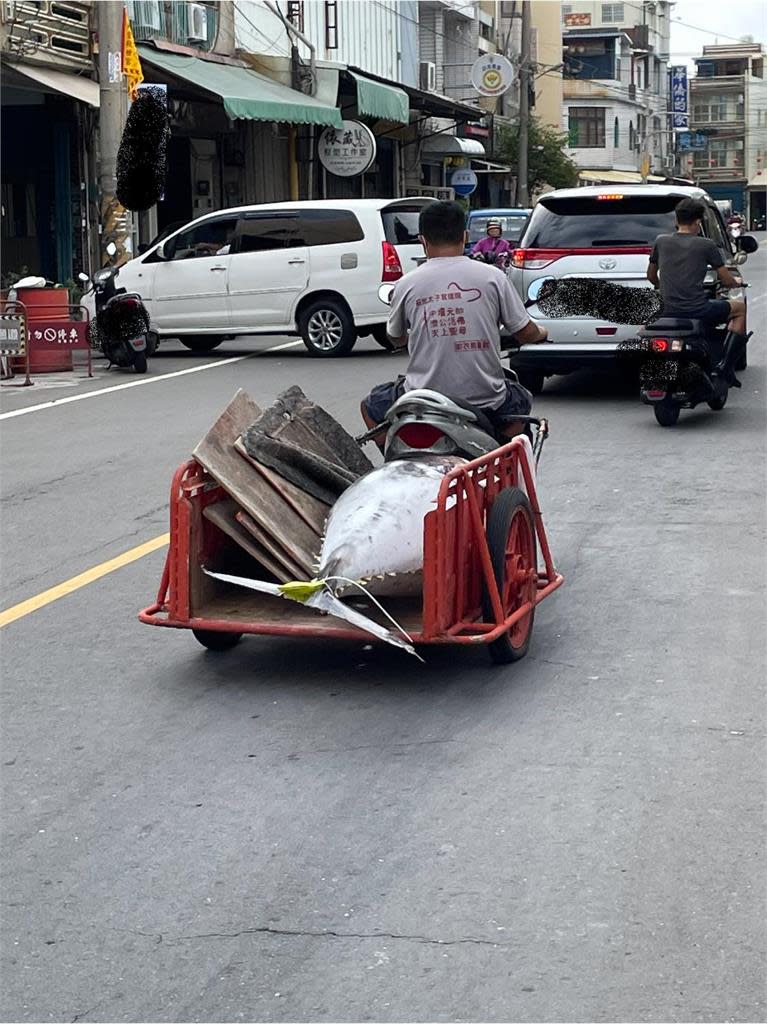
458,577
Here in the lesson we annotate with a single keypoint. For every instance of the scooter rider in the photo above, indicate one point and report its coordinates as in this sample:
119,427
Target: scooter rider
678,266
493,243
447,312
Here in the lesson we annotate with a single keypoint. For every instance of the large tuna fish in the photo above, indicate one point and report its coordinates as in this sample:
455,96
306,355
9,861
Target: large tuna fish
373,542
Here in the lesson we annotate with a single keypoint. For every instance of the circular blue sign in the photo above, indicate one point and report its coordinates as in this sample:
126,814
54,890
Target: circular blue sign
463,182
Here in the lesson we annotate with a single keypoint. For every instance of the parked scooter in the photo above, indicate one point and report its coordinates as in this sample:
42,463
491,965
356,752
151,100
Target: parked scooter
120,326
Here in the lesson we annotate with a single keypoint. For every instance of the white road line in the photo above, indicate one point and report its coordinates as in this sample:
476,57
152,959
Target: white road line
144,380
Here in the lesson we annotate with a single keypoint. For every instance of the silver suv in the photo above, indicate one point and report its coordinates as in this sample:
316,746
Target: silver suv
604,232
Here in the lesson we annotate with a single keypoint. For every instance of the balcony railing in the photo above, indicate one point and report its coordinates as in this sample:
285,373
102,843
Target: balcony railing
176,21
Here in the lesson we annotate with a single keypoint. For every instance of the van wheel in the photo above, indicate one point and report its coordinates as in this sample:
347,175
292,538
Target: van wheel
327,328
531,380
201,342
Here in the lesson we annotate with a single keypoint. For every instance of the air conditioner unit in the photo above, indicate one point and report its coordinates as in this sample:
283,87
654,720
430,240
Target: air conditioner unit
428,76
150,15
197,23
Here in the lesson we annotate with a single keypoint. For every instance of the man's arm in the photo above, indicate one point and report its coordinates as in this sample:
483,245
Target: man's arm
728,279
396,325
515,318
531,334
652,267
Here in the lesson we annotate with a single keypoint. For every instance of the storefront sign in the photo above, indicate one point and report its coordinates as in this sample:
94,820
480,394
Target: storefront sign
11,335
577,20
464,182
679,118
347,151
689,141
492,74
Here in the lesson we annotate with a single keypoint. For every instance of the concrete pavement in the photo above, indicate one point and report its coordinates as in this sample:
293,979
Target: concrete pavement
319,831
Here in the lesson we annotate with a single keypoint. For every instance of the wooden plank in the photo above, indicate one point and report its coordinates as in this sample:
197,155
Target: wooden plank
293,569
313,511
251,490
222,515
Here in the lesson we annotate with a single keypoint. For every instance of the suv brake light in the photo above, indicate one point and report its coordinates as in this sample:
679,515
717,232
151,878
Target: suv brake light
392,268
537,259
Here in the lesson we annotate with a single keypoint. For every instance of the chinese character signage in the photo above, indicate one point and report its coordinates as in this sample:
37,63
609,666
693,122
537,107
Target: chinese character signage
689,141
65,334
577,20
464,181
679,117
492,74
347,151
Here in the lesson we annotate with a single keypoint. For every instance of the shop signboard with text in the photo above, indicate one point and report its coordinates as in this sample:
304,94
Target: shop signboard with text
679,115
347,151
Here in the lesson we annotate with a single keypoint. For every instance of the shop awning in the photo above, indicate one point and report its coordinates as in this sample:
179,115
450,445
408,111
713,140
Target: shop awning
619,177
76,86
429,102
374,99
246,94
450,145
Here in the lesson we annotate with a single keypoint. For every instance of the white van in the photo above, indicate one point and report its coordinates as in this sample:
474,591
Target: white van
307,268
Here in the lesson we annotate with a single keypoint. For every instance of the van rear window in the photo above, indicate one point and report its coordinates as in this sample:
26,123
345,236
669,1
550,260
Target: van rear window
401,224
579,223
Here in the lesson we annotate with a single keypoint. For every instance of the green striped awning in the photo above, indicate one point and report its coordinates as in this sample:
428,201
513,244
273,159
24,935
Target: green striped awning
375,99
246,94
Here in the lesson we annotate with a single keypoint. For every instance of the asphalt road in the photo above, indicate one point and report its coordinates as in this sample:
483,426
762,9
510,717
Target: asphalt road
307,831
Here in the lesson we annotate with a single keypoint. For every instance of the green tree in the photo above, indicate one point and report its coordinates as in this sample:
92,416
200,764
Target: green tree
547,161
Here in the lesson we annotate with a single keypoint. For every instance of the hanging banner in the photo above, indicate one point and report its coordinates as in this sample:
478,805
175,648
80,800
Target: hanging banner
131,65
679,115
347,151
492,74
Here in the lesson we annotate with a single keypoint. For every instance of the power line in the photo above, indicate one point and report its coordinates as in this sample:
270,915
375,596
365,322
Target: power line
257,30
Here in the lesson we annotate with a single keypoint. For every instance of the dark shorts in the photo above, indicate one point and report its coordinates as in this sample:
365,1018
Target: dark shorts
716,311
518,401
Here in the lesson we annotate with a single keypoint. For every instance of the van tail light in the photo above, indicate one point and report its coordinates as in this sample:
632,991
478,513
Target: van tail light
660,345
392,268
419,435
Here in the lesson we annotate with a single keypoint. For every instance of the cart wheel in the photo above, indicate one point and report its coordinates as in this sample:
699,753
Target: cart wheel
216,641
511,539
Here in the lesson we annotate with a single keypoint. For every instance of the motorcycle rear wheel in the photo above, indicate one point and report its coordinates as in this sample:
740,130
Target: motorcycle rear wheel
666,412
140,363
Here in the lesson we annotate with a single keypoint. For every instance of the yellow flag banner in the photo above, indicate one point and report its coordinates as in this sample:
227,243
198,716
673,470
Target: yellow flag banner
130,62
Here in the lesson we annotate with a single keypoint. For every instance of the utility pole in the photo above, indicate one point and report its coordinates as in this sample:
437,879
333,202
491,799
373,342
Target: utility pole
114,220
523,196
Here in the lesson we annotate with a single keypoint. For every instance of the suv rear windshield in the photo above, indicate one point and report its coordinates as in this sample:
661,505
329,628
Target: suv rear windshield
579,223
401,224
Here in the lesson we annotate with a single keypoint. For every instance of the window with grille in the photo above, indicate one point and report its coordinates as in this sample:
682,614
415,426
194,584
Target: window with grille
586,127
612,14
295,14
566,9
331,25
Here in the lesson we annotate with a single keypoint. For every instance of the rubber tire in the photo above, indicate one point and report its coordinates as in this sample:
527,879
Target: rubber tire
534,382
718,403
666,413
139,362
201,342
152,343
381,337
506,506
216,641
348,330
742,363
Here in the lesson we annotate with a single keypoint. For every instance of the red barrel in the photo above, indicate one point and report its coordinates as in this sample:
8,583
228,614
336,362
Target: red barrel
44,304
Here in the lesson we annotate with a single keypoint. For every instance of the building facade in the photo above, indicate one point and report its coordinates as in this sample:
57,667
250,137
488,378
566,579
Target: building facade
50,102
728,106
615,104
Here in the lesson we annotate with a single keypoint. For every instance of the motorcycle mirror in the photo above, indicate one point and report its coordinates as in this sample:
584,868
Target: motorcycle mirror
385,293
83,277
747,244
111,249
535,289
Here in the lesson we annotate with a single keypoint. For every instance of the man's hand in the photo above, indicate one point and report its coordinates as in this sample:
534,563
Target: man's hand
531,334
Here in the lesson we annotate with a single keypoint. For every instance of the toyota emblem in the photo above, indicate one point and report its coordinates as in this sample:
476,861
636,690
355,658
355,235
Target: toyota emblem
608,263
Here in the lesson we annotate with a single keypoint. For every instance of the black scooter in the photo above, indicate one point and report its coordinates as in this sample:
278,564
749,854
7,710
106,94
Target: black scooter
121,325
685,362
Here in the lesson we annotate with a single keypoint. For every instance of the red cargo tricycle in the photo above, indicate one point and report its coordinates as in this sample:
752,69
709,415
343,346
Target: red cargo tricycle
481,574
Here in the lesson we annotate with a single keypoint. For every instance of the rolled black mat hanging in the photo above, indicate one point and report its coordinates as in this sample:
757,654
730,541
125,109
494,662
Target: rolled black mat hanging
142,156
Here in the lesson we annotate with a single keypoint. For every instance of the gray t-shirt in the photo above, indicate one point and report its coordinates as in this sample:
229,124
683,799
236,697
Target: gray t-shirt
682,264
451,308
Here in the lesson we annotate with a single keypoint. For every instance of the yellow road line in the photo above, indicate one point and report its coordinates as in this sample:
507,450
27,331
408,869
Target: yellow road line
18,611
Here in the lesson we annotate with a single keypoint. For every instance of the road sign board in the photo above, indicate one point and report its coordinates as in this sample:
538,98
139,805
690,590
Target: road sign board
464,181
